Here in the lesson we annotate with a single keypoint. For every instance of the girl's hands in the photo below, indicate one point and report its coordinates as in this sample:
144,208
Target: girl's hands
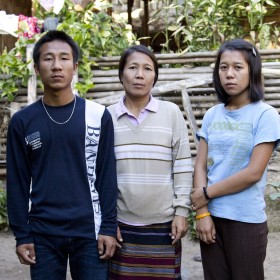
198,199
205,230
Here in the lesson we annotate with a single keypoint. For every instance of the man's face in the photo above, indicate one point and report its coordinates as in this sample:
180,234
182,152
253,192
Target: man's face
56,67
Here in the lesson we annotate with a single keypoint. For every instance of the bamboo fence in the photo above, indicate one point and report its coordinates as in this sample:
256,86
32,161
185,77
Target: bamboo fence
189,85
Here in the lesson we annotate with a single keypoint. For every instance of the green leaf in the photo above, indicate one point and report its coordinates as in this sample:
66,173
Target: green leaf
271,3
172,28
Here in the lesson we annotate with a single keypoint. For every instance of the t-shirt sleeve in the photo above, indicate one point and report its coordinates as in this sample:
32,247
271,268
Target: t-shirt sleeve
203,132
267,128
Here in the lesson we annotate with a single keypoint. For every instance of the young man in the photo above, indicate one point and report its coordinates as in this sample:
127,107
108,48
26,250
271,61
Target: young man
61,173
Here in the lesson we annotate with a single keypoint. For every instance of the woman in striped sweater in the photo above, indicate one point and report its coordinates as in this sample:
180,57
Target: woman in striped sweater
154,170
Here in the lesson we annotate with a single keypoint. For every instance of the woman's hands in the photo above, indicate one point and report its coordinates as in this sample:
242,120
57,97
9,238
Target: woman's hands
119,238
179,228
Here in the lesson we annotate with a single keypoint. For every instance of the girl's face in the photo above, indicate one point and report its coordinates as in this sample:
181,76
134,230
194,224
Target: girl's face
138,75
234,75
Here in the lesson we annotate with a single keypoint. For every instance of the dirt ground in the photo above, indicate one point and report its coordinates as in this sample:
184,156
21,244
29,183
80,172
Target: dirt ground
11,269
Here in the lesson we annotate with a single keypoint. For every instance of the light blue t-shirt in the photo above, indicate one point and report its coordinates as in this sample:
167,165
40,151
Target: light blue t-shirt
231,137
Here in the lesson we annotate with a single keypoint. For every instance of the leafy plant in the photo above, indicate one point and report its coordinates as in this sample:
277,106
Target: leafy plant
275,35
255,12
96,33
192,225
14,71
264,36
211,22
165,16
201,25
3,210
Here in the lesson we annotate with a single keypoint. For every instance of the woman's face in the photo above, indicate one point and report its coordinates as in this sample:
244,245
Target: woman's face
138,75
234,74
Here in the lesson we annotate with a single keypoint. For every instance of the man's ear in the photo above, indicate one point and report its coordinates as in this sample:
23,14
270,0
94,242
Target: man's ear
36,68
75,67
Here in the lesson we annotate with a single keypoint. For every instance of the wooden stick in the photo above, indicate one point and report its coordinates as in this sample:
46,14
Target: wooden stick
190,116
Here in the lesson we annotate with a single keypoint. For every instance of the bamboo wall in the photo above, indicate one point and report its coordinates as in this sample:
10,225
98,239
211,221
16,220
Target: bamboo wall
189,86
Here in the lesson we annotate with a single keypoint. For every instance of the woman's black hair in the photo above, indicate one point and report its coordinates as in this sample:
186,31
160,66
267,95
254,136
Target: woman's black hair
252,57
137,48
53,35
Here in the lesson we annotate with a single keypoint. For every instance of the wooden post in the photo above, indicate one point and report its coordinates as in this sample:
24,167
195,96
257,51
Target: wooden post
14,107
129,11
32,81
188,109
145,28
74,81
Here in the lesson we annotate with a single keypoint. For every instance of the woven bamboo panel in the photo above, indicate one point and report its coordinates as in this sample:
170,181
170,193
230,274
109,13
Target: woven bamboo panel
193,73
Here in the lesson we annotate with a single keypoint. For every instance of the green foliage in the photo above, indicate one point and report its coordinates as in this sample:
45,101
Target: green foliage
14,70
96,33
201,25
255,11
275,34
264,36
193,25
170,9
192,225
3,210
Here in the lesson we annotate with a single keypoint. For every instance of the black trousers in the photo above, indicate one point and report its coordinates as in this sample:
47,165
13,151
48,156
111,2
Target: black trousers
239,251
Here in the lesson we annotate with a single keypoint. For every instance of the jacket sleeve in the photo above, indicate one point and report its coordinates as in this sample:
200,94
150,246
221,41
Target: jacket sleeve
106,177
18,182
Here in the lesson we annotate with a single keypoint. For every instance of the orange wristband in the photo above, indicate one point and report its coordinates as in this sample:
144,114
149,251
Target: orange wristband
202,215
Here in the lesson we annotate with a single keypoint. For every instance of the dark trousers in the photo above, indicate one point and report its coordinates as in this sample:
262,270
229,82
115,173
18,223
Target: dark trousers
239,251
53,254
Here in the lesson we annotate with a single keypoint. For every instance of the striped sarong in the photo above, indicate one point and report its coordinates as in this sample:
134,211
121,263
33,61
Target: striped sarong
146,254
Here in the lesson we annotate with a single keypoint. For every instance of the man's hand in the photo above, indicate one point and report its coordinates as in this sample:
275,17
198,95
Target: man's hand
179,228
106,246
26,253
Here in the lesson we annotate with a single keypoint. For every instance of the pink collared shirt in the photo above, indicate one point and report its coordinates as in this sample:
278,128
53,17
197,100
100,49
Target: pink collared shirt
121,109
